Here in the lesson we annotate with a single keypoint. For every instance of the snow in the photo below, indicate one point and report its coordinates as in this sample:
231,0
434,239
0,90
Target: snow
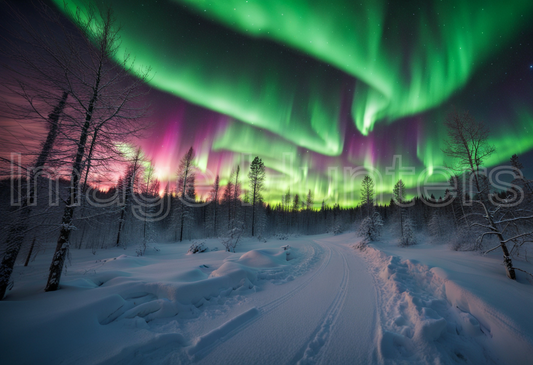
305,300
450,306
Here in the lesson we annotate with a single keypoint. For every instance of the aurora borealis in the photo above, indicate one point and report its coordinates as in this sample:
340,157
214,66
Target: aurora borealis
316,87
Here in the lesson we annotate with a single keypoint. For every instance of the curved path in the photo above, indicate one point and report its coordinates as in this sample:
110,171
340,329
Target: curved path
327,316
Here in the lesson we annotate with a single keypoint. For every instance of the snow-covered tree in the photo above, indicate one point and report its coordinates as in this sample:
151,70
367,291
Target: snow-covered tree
103,92
232,237
398,194
17,230
468,144
435,224
370,228
408,233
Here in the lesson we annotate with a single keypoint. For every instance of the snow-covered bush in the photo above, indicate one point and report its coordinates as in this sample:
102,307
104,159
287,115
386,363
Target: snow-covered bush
362,245
232,237
198,247
370,228
338,229
435,225
282,236
143,246
141,249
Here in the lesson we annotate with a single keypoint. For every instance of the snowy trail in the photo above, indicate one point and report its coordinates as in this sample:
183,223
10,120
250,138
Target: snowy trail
327,317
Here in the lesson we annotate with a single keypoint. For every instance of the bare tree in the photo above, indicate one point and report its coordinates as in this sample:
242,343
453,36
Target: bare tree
17,231
214,207
50,60
468,145
185,189
227,198
236,194
129,183
230,198
104,95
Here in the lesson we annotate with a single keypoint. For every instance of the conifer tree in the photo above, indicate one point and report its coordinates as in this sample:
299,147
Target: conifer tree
398,194
367,195
257,179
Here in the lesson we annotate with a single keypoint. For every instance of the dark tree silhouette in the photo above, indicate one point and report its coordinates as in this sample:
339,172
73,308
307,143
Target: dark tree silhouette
186,175
367,195
257,178
467,144
17,231
104,93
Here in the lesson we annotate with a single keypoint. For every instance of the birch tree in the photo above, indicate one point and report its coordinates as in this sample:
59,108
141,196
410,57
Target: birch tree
468,145
104,95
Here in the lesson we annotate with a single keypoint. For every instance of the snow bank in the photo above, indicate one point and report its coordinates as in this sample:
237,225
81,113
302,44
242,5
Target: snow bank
264,258
125,309
428,318
512,343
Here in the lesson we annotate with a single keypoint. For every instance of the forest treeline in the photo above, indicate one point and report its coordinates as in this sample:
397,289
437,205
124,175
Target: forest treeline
134,212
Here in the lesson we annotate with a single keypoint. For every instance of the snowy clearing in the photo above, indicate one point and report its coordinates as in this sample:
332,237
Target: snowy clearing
307,300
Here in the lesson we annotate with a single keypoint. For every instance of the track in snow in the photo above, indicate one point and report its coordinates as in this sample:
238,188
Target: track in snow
321,339
208,342
312,323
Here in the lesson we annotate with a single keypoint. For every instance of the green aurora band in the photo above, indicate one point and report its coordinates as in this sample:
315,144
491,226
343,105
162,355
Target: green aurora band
389,62
440,47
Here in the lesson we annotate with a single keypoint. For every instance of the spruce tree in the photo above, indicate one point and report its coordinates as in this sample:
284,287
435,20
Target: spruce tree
398,194
367,195
257,179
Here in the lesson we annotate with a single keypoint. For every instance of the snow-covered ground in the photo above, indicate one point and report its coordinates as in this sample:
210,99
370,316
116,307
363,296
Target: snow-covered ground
443,306
319,301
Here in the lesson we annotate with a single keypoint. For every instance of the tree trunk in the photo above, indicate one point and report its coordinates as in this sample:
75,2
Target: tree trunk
401,222
182,221
14,243
29,253
506,257
215,219
60,255
15,237
120,225
253,212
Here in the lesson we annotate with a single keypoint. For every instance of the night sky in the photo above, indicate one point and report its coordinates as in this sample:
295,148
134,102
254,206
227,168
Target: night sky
324,85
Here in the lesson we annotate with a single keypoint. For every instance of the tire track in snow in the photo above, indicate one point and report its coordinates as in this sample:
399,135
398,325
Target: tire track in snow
207,343
268,307
321,337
